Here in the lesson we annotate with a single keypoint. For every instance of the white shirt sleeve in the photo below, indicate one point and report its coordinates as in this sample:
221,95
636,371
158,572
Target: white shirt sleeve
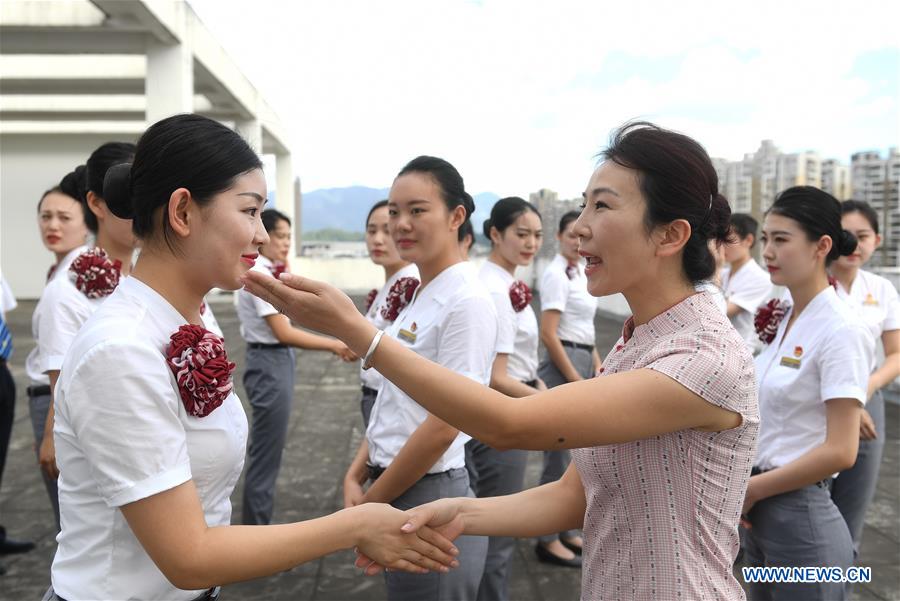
748,293
263,309
506,323
844,361
892,309
554,290
62,316
7,298
468,339
123,408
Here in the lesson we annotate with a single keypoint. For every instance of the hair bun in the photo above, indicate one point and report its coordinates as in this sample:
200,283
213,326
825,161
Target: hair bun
847,243
486,228
117,190
469,204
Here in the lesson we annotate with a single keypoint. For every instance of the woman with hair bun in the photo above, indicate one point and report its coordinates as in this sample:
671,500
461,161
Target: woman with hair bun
401,278
90,277
150,435
567,331
813,376
61,219
515,232
662,441
876,301
269,373
409,456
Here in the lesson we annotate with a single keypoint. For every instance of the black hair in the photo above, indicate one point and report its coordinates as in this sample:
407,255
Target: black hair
107,155
864,209
448,180
73,185
464,230
375,207
183,151
566,219
819,214
678,181
744,225
271,217
505,212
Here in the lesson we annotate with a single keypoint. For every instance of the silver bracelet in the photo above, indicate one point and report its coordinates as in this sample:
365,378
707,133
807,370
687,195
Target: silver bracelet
367,362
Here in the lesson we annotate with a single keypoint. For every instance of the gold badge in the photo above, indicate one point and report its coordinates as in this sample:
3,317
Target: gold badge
870,300
407,336
790,362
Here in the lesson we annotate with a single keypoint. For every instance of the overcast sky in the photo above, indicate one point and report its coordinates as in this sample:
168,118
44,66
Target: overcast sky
522,95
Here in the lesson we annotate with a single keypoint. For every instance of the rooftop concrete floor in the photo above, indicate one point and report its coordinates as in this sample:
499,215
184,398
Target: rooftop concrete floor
325,430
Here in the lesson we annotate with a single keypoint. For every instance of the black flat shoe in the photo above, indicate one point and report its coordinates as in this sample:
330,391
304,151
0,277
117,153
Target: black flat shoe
576,549
546,556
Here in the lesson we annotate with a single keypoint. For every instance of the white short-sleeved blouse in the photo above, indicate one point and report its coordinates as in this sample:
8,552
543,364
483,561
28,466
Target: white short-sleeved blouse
451,321
122,434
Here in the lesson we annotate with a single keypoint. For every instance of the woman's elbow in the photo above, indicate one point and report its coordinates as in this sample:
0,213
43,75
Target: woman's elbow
187,575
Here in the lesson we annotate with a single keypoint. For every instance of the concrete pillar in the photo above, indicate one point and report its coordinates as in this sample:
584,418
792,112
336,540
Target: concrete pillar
170,77
285,200
251,131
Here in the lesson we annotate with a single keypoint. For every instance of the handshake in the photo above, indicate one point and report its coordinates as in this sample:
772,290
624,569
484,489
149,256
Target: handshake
418,541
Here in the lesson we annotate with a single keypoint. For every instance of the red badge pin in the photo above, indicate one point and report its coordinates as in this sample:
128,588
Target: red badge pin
413,327
798,351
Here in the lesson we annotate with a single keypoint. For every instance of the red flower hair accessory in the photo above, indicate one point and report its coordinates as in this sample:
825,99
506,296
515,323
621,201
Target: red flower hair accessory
370,298
94,274
768,317
520,295
201,368
398,297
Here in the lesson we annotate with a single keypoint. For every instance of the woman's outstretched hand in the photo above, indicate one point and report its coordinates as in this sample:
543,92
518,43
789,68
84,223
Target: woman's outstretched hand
314,305
441,518
386,541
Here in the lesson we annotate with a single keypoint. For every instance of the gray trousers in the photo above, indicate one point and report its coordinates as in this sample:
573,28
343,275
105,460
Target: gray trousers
366,403
556,462
459,584
269,381
494,473
854,488
38,408
799,528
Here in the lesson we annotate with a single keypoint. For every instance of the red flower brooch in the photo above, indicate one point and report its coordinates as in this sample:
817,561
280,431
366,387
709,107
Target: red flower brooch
398,297
277,268
94,274
520,295
201,368
370,298
768,317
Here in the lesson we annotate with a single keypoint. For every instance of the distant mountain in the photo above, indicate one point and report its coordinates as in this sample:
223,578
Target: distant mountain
346,208
339,208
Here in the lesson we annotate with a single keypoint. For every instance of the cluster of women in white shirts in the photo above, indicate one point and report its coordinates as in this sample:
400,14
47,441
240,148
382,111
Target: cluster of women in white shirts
674,441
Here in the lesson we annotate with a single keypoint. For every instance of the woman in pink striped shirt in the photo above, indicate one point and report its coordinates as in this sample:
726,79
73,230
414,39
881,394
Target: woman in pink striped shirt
662,442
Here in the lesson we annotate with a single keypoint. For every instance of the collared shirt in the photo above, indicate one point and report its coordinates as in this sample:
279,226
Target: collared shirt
451,321
62,311
7,298
497,282
122,434
252,310
748,288
522,363
826,355
875,300
33,369
571,298
370,378
209,320
715,294
662,513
